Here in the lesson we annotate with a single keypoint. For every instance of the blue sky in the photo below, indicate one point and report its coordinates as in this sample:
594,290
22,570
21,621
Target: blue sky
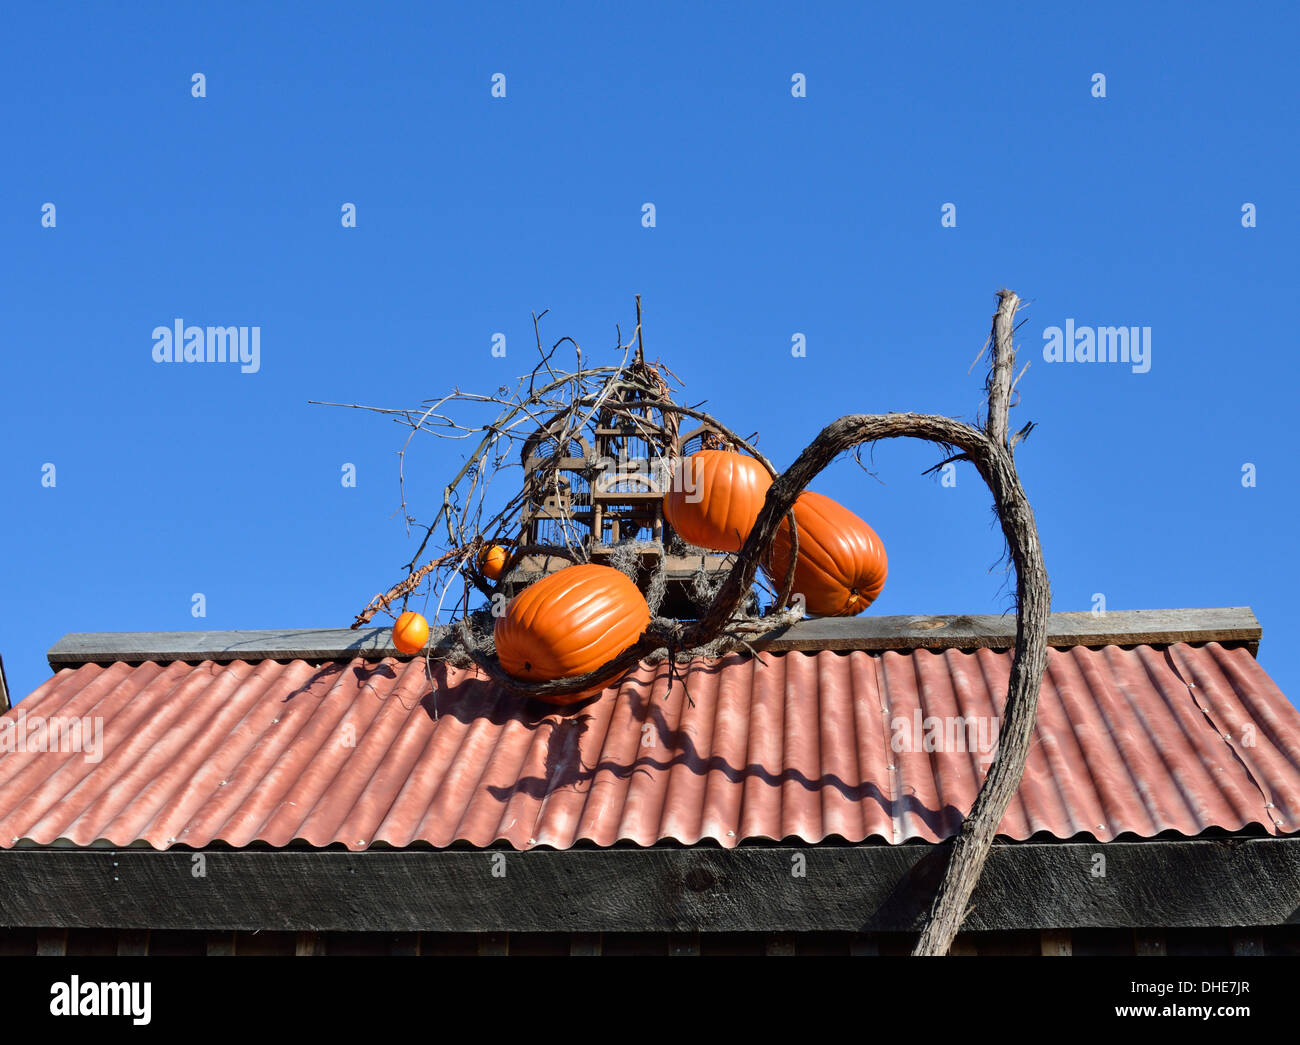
774,215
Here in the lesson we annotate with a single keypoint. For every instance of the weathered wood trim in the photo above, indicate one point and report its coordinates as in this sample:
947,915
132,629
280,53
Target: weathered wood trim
1247,944
221,944
869,888
308,945
585,945
133,942
1231,625
1055,943
1235,625
52,942
1150,943
494,944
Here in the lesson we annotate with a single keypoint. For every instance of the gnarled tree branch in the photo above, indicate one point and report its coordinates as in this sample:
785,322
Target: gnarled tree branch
990,450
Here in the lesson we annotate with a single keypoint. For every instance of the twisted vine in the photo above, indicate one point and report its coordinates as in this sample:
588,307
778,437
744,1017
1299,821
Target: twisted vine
990,449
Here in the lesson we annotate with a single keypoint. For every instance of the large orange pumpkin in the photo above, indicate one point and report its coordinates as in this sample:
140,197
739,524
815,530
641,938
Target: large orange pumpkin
569,623
491,561
411,632
714,502
841,566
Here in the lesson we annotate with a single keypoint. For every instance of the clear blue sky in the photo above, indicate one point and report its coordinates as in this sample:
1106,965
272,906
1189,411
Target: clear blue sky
775,215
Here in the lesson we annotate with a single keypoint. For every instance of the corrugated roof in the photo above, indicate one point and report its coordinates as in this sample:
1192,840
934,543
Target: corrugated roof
1130,741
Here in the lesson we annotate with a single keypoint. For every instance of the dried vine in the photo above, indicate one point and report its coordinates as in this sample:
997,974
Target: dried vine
722,624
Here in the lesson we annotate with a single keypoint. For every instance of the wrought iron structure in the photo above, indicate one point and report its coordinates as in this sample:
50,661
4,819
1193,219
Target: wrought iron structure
594,483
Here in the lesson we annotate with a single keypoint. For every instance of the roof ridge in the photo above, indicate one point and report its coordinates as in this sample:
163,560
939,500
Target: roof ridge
1233,625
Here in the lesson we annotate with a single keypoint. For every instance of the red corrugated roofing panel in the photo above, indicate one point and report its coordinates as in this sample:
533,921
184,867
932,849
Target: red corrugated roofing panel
1129,741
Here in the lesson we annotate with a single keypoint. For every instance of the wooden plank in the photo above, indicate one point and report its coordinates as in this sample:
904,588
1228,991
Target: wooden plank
404,945
52,942
92,943
17,943
684,944
312,644
866,888
1056,943
636,496
1148,942
1248,944
963,947
493,944
221,945
563,464
309,945
781,944
1232,625
585,944
133,942
864,945
275,944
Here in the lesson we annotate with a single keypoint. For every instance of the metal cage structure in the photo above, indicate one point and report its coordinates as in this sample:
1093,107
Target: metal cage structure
594,493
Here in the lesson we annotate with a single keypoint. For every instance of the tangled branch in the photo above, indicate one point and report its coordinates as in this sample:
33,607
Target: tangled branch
587,392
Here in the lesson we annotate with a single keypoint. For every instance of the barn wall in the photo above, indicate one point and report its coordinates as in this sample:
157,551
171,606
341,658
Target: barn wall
1265,940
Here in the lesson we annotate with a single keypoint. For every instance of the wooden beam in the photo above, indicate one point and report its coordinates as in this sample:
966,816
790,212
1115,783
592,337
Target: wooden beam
404,945
1232,625
133,942
494,944
684,944
864,945
1056,943
1148,942
221,945
1248,944
52,942
873,888
308,945
781,944
585,944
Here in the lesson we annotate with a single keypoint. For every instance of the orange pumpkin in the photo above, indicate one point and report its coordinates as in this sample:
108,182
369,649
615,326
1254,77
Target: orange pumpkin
569,623
411,632
841,566
492,560
716,498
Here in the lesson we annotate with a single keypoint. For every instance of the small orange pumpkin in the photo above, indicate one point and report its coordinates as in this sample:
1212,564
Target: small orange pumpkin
491,561
411,632
714,501
841,566
569,623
